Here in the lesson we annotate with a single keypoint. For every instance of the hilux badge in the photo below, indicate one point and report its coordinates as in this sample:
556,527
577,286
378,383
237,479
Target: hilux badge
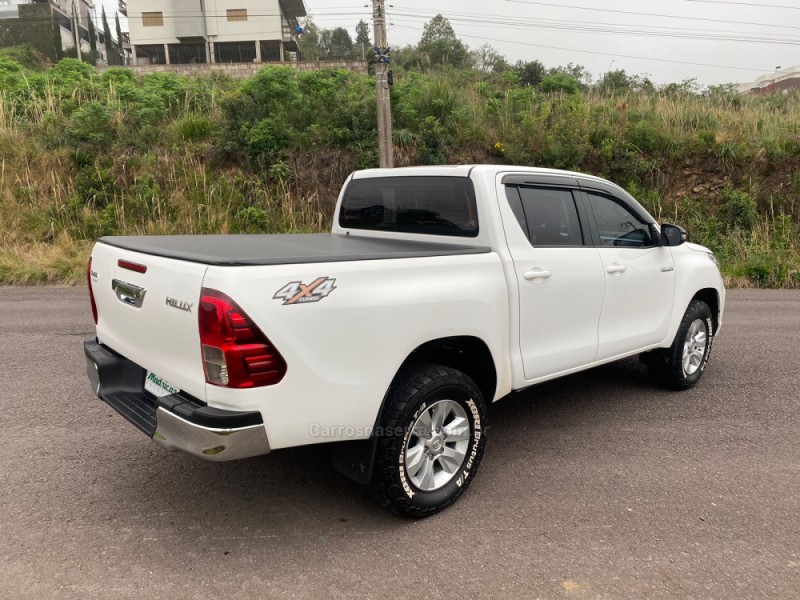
179,304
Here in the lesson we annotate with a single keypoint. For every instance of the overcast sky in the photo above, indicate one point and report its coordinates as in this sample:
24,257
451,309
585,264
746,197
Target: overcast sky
754,40
746,35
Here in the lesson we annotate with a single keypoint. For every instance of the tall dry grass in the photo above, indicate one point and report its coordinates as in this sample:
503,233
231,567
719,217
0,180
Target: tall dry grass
83,156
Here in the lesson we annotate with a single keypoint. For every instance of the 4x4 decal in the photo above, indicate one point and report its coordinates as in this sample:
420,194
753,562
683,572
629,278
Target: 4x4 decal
298,292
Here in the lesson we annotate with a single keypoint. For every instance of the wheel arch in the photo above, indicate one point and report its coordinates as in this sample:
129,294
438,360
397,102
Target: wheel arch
711,297
467,354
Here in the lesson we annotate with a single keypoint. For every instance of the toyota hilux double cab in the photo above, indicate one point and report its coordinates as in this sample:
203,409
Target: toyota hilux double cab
438,291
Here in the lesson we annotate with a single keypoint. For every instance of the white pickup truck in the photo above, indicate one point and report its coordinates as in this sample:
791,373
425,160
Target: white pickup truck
439,291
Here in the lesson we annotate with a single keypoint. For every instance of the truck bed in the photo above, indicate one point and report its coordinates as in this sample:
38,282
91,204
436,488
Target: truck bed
283,249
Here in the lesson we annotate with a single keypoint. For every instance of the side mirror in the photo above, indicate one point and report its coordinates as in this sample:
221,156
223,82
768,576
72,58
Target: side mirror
672,235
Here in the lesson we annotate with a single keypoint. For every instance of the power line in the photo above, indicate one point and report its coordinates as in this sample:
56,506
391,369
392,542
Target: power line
746,4
617,55
644,14
590,28
516,20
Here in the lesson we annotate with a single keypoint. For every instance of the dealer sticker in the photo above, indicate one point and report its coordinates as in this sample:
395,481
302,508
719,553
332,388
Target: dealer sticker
158,386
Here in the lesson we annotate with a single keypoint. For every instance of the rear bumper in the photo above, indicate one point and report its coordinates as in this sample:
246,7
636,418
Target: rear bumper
177,422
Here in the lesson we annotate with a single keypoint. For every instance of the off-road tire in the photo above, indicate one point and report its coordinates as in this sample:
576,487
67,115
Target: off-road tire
416,388
666,365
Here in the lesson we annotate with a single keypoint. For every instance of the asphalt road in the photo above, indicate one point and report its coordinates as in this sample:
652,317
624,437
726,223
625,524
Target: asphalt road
595,486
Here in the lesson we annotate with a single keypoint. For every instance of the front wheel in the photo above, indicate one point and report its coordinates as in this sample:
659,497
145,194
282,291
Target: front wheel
430,442
681,366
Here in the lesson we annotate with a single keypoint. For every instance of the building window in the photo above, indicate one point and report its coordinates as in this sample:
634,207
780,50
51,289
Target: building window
237,14
152,19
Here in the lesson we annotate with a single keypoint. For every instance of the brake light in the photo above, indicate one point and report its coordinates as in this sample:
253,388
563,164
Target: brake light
91,291
131,266
236,353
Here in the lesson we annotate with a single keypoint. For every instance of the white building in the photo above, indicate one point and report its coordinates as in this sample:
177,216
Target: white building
782,80
213,31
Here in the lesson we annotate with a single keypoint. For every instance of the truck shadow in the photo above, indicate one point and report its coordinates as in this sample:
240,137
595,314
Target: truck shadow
296,490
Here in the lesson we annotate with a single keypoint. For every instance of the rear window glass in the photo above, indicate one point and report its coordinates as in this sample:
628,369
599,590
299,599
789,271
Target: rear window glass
427,205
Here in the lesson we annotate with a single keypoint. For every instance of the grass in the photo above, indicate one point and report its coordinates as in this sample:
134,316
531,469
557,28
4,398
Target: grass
84,155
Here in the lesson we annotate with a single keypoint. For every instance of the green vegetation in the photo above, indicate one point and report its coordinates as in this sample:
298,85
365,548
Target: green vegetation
84,155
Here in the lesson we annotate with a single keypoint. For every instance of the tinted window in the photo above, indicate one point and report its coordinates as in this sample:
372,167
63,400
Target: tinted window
551,217
618,225
428,205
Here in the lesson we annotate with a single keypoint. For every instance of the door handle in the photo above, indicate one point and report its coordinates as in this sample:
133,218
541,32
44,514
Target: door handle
127,293
616,269
537,274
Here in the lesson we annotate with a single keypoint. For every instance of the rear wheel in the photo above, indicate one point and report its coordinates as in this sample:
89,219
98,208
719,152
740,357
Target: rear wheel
681,366
430,442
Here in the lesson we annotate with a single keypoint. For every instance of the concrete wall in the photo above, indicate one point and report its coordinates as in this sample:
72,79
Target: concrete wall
247,70
33,27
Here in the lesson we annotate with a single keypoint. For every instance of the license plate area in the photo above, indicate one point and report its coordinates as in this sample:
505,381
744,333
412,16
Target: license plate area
158,386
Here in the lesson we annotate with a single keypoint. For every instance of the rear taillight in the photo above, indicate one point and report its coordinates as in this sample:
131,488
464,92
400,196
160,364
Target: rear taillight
91,291
236,353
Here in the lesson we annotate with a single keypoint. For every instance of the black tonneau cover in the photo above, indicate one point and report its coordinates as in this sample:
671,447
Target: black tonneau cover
284,249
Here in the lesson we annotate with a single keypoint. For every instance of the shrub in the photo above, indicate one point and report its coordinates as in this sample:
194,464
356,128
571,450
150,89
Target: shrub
92,126
739,209
559,82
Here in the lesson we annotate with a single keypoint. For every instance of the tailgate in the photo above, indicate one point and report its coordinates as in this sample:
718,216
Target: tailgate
151,317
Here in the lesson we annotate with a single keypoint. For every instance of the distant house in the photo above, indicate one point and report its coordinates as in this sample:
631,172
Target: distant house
40,24
219,31
783,80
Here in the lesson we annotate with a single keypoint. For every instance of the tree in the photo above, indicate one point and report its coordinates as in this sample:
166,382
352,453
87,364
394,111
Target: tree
615,82
407,58
111,52
489,60
341,44
93,39
441,45
530,73
577,72
363,41
58,44
559,81
309,42
119,37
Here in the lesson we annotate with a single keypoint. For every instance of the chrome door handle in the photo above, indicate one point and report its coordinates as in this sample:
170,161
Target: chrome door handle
616,269
127,293
537,274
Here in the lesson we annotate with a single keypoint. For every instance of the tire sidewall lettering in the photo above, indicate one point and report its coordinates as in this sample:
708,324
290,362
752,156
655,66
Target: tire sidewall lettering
403,479
710,329
710,333
476,437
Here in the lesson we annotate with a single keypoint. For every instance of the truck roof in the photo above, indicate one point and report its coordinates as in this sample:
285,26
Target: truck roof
464,171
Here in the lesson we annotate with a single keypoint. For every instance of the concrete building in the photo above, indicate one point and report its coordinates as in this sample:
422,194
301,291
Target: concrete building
213,31
783,80
33,22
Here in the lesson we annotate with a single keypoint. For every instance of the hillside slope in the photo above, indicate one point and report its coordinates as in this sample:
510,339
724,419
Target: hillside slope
85,155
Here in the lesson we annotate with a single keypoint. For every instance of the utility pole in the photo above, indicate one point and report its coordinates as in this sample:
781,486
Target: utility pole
386,150
76,31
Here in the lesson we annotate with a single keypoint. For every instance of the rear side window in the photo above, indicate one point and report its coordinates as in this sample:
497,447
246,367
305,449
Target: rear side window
549,216
426,205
